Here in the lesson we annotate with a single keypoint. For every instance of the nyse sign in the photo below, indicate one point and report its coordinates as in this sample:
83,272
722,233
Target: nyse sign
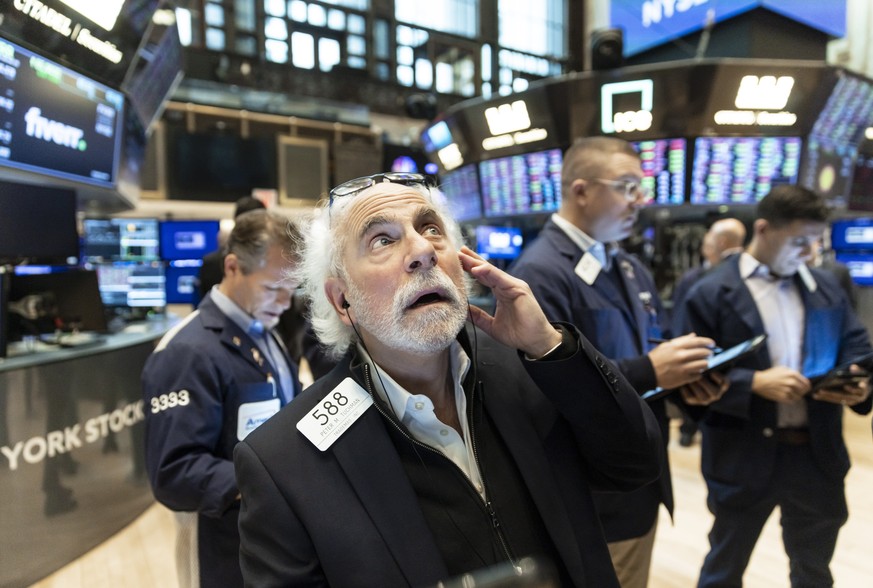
615,119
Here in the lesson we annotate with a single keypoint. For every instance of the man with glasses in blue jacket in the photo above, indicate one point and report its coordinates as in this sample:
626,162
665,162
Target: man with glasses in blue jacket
580,275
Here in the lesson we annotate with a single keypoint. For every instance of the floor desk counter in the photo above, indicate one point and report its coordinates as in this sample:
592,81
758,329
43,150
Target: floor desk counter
71,447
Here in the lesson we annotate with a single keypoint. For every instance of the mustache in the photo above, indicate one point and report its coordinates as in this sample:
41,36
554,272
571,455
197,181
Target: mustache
432,280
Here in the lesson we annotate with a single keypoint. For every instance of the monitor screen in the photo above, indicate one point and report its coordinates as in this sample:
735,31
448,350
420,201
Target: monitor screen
132,284
663,163
57,122
188,239
832,147
461,188
156,73
852,235
223,167
498,242
860,266
70,296
182,283
861,196
742,170
120,239
521,184
37,223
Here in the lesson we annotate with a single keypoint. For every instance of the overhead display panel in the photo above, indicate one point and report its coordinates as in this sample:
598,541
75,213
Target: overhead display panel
97,38
832,148
57,122
649,23
760,97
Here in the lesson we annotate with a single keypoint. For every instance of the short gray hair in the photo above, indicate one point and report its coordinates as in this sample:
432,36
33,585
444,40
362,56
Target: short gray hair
323,245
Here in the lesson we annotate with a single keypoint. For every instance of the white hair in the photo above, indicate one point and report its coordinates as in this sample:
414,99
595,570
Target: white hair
323,246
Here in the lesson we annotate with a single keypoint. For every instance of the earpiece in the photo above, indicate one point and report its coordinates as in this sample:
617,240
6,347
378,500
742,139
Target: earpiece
346,304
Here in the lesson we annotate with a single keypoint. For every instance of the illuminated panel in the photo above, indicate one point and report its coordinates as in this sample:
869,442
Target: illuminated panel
832,147
55,121
521,184
742,170
663,162
461,189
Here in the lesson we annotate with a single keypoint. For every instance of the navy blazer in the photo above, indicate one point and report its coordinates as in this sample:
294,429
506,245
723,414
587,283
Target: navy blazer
193,386
739,446
619,324
349,516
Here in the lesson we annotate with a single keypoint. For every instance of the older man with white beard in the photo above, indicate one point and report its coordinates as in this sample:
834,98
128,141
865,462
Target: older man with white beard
433,449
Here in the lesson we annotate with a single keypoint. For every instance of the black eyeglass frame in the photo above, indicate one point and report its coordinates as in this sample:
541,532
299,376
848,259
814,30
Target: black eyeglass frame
357,185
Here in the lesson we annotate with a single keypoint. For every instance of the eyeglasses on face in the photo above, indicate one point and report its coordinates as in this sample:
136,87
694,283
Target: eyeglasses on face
632,189
353,187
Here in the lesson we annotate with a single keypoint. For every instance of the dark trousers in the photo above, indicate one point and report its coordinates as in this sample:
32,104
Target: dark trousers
813,509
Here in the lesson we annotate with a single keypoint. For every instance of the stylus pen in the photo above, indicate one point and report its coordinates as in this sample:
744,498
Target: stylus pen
657,341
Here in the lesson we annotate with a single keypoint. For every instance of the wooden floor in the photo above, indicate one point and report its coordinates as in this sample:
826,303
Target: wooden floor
141,556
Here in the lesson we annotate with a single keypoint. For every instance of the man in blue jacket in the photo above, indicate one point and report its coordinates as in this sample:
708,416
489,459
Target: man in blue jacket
434,448
212,380
774,440
579,274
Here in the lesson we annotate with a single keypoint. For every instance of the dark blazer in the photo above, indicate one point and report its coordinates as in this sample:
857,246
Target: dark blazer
739,447
194,385
619,325
348,516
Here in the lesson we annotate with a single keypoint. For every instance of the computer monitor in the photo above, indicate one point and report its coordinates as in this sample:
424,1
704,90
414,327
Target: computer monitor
742,170
498,242
37,223
132,284
860,266
188,239
120,239
70,299
521,184
461,188
182,281
852,234
664,165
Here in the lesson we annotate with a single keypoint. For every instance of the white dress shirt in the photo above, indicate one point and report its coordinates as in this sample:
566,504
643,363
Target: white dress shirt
416,412
782,312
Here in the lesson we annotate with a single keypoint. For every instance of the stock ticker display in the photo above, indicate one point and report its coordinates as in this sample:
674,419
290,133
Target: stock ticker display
521,184
663,162
742,170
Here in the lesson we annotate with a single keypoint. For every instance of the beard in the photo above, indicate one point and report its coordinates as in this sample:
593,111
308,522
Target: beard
424,330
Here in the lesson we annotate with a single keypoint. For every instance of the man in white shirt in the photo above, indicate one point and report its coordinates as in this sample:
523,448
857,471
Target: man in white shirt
773,439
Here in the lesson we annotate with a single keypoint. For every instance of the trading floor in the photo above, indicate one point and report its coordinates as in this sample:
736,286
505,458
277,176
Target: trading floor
141,556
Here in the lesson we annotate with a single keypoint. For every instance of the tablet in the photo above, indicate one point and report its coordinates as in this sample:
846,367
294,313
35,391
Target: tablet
723,361
719,362
842,375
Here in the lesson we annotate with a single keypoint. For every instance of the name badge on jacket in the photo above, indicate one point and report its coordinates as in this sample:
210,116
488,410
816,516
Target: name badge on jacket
252,415
588,268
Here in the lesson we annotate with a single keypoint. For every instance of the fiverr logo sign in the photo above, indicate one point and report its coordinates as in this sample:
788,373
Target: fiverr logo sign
40,127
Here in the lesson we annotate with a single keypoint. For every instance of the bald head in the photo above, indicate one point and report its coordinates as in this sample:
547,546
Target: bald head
724,237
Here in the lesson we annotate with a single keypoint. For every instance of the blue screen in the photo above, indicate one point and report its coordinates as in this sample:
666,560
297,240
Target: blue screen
498,242
188,239
852,235
860,266
182,283
649,23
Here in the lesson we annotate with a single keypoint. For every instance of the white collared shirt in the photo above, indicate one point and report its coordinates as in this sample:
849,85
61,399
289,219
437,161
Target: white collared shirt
782,312
416,412
585,242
